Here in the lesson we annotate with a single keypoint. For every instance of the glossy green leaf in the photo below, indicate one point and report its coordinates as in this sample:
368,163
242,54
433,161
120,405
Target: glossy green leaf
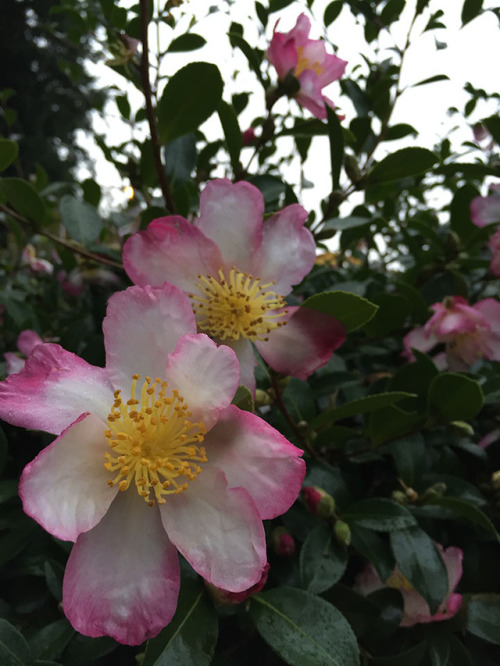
445,649
14,650
81,220
188,42
322,559
432,79
492,124
336,145
460,220
374,548
232,133
420,562
454,397
377,513
191,636
406,162
353,311
409,457
190,97
180,158
483,617
362,406
50,641
23,197
468,511
399,131
8,153
303,629
250,54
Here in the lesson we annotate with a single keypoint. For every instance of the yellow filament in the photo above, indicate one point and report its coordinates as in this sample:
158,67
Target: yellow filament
154,445
237,306
304,63
398,581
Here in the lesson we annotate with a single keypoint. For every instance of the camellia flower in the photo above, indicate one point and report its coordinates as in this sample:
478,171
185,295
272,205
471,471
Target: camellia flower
486,210
237,269
494,245
27,340
469,332
150,459
416,609
37,265
293,53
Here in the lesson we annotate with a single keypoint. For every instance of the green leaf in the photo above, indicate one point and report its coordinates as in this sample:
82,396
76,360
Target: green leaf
454,397
399,131
445,649
391,11
483,617
50,641
409,457
374,548
411,657
243,399
8,153
432,79
180,158
188,42
191,636
365,405
471,9
322,559
403,163
468,170
303,629
342,223
336,145
351,310
377,513
83,650
22,196
493,125
232,133
420,562
467,511
14,650
81,220
250,54
460,220
332,11
190,97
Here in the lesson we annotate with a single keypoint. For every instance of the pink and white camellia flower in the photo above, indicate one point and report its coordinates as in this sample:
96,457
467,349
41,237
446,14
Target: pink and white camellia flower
470,332
416,609
486,210
27,340
151,458
237,269
307,60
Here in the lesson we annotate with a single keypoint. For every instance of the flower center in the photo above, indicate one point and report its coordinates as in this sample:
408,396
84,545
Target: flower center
399,582
237,307
304,63
154,444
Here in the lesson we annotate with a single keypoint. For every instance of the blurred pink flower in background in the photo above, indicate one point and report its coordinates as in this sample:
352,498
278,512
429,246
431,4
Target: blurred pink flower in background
37,265
307,60
486,210
416,609
27,340
494,245
469,332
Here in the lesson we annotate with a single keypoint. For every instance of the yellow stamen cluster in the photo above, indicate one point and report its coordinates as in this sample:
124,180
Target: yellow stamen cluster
399,582
304,63
237,306
154,444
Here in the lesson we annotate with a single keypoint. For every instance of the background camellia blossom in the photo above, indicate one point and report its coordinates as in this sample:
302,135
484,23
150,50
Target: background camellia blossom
494,245
151,458
486,210
237,269
416,609
293,53
469,332
27,340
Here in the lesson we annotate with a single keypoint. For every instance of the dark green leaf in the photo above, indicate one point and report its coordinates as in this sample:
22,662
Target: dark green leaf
91,192
412,657
460,220
50,641
232,133
190,97
351,310
370,403
409,457
342,223
403,163
14,650
81,220
188,42
54,573
493,125
336,145
303,629
468,170
454,397
374,548
243,399
191,636
432,79
250,54
377,513
392,11
467,511
23,198
180,158
483,617
83,650
332,11
8,153
322,560
471,9
399,131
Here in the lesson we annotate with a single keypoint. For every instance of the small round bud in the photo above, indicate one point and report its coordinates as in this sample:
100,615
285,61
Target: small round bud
282,542
262,398
400,497
248,137
318,501
342,532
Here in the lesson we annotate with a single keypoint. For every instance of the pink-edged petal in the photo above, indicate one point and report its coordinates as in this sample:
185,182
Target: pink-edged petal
334,68
288,250
282,54
416,609
122,577
13,363
300,31
142,326
310,95
231,216
53,389
246,358
489,309
420,340
65,487
205,375
170,250
255,456
368,580
485,210
304,344
27,340
452,558
218,530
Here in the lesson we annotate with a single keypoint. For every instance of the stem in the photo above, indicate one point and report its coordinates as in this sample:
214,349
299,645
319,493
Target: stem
150,113
64,243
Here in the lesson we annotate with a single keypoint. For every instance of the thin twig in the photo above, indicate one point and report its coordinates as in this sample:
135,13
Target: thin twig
150,114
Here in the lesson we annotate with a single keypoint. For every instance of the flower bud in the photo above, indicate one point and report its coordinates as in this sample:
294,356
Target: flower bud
342,532
495,479
318,501
282,542
400,497
226,598
248,137
262,398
